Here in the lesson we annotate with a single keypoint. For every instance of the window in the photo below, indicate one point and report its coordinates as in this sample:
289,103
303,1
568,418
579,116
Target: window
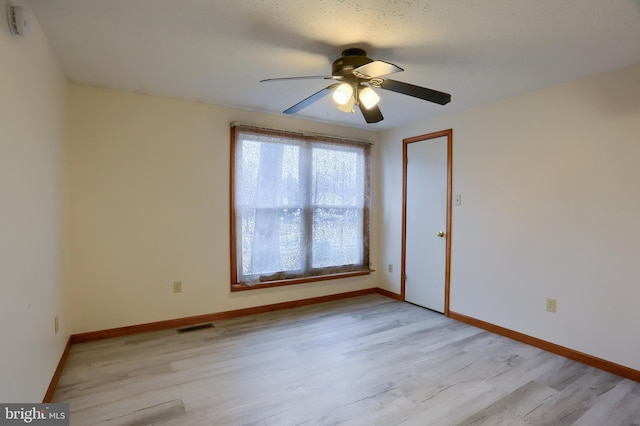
300,207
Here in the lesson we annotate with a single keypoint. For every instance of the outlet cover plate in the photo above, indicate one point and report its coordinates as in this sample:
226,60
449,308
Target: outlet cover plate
551,305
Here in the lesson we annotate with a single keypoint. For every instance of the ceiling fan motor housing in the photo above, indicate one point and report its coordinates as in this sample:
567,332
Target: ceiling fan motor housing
351,59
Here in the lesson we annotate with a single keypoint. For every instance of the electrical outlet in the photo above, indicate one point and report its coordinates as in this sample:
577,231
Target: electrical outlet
551,305
390,269
177,286
56,324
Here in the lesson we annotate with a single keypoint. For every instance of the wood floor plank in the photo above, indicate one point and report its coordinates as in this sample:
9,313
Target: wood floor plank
621,405
515,408
369,360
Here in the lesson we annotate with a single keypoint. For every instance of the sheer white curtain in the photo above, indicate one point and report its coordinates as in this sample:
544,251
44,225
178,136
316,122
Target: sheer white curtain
337,205
300,205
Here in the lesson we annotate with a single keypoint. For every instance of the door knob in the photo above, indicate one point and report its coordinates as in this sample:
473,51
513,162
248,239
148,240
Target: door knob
441,234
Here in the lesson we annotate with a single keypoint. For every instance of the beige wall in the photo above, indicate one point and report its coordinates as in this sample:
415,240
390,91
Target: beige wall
550,209
150,205
33,214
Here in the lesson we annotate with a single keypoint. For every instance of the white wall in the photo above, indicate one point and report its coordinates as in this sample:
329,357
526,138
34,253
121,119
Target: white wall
150,205
33,213
550,209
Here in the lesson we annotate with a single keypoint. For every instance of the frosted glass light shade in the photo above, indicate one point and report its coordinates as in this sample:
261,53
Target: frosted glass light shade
343,93
368,97
348,107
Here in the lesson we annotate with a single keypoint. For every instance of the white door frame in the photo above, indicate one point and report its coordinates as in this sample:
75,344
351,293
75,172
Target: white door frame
405,142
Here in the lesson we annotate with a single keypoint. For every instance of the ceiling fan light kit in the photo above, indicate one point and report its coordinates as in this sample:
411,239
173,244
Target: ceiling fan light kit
343,93
368,97
358,74
349,106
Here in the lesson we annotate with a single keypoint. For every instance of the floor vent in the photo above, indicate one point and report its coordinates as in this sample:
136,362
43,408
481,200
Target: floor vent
194,328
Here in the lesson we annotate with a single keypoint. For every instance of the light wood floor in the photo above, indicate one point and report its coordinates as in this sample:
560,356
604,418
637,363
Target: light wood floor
362,361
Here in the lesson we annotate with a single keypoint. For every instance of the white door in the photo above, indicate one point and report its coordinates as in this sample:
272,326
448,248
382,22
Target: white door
426,223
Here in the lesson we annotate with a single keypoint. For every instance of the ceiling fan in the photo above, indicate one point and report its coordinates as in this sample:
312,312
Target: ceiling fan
356,76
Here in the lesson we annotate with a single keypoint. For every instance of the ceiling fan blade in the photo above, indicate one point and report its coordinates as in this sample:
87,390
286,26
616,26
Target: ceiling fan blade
371,115
311,99
415,91
308,77
376,69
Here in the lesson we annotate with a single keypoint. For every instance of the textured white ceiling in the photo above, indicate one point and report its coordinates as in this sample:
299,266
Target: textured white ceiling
216,51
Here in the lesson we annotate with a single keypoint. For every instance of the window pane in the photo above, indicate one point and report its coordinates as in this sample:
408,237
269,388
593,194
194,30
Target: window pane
269,174
271,241
337,193
335,180
337,237
269,200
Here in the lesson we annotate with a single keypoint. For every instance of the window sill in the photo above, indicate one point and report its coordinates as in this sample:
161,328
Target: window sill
280,283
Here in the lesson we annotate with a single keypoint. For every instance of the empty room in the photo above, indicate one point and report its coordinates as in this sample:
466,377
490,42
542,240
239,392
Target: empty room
233,213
